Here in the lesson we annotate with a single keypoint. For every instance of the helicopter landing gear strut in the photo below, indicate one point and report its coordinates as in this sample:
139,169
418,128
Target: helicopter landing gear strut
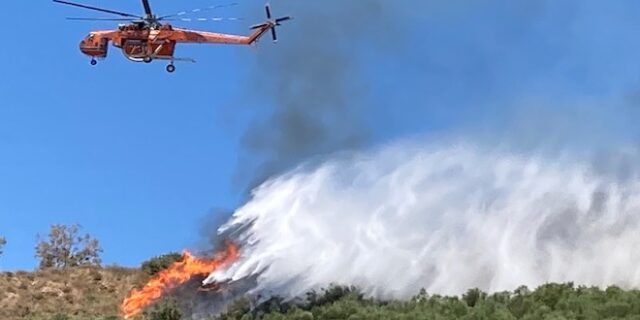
93,62
171,68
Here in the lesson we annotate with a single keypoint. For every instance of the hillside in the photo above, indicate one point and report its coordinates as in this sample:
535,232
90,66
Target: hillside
86,292
91,293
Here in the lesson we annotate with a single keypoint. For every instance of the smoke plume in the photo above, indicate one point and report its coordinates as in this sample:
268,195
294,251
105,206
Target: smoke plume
444,217
311,93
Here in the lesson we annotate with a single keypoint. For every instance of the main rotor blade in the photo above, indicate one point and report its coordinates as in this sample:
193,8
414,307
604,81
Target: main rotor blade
274,35
124,14
100,19
216,19
283,19
147,7
182,13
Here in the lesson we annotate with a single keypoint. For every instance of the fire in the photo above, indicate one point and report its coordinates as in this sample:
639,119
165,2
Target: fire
177,274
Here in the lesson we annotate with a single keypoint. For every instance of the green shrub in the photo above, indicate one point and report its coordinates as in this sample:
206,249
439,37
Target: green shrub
164,310
159,263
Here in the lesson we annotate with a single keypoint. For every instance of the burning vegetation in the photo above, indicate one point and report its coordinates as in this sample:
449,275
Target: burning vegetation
175,275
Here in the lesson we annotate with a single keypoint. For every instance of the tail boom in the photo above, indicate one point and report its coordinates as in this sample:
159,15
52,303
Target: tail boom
190,36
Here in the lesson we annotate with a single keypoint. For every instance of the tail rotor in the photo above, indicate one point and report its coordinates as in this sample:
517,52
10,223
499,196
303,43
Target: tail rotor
272,23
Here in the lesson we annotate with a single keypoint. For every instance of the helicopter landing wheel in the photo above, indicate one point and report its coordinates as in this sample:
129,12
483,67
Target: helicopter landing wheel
171,68
147,59
93,62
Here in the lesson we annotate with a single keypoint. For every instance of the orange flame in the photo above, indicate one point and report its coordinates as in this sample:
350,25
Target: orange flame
177,274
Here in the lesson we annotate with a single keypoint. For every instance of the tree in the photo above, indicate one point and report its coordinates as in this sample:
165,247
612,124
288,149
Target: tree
473,296
3,241
64,248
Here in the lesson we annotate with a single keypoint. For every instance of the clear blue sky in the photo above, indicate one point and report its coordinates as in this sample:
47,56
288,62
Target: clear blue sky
140,158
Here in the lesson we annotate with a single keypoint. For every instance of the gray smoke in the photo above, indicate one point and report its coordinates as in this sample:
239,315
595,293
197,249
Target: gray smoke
312,84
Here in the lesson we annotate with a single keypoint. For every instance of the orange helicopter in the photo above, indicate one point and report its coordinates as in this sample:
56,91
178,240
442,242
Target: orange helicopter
147,38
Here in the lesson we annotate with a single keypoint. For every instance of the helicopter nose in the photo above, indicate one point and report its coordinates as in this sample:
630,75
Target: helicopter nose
84,47
94,49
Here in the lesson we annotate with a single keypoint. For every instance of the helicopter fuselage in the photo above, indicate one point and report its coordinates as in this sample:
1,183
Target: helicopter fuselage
142,43
139,44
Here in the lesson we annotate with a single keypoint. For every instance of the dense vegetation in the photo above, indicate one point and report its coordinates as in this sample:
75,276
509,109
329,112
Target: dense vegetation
551,301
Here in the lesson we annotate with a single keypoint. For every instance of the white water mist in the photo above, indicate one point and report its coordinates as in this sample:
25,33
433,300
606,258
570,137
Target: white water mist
443,218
